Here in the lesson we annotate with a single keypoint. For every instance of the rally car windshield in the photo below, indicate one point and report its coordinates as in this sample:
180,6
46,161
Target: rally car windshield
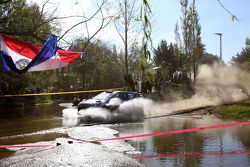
103,96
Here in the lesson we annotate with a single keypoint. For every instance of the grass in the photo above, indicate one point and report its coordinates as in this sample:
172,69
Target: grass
239,110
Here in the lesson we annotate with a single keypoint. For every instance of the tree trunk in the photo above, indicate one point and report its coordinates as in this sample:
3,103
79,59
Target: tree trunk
126,37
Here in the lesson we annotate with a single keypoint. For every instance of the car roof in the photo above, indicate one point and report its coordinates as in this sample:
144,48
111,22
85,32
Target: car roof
119,91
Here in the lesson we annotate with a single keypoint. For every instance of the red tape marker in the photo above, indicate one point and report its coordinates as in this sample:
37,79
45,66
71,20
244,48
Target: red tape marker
171,132
140,135
24,146
191,154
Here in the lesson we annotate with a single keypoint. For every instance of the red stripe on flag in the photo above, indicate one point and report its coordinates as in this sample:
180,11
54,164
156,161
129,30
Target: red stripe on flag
30,50
23,48
67,56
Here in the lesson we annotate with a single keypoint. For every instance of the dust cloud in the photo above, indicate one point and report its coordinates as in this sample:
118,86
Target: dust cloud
216,84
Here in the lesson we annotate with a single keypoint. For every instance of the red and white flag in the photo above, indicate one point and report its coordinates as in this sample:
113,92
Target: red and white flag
22,56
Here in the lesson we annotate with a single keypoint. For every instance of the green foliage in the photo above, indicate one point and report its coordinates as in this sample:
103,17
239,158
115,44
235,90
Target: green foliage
239,111
145,15
189,39
209,59
242,59
167,60
100,68
24,20
149,76
128,29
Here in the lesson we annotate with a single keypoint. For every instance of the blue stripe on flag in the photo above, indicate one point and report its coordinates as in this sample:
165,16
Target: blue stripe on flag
48,51
5,64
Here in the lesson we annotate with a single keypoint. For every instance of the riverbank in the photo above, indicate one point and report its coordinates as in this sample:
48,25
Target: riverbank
239,110
235,111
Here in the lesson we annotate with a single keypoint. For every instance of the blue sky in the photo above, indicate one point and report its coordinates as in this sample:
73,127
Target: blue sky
213,18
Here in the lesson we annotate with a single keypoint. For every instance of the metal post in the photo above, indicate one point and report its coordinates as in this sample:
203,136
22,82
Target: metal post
220,34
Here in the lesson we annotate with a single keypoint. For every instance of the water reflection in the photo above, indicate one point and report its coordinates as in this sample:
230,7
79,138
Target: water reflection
242,135
69,122
15,121
25,139
176,143
29,119
193,144
22,120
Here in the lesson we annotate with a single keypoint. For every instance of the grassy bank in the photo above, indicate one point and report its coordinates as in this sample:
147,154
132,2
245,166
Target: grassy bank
239,110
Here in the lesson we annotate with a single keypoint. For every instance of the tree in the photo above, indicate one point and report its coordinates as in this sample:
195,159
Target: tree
165,59
197,45
126,24
20,17
25,21
41,18
101,68
32,23
230,13
242,59
189,41
209,58
100,16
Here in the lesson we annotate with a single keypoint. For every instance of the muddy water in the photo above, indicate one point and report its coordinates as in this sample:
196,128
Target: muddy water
20,120
16,122
204,148
195,145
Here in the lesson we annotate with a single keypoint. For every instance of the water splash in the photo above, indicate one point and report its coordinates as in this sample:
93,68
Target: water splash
70,117
216,84
70,113
95,114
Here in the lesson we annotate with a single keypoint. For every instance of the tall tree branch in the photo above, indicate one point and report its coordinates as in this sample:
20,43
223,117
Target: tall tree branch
233,16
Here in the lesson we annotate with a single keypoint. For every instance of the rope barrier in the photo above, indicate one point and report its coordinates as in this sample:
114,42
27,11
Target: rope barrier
25,146
60,93
173,155
171,132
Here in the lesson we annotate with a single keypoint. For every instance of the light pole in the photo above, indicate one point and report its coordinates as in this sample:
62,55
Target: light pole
220,34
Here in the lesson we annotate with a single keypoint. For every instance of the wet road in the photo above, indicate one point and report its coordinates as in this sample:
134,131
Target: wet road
204,148
19,121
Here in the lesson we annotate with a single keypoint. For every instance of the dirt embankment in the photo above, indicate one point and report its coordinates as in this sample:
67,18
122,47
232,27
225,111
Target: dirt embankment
238,110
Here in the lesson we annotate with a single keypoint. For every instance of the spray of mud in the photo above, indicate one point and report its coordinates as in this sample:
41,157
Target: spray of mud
130,111
70,117
95,114
216,84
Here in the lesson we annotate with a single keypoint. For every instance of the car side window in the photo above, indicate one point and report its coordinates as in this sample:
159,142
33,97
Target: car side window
131,96
122,96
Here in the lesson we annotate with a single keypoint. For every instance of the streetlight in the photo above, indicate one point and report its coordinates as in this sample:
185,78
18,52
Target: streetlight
220,34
